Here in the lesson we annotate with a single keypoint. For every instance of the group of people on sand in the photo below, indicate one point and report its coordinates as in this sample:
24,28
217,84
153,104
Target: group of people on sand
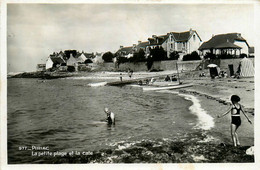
146,82
172,78
235,109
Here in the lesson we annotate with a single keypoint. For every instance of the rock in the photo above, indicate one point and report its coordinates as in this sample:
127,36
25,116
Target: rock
250,151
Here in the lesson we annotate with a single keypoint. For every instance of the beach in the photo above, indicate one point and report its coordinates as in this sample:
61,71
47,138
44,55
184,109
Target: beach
171,126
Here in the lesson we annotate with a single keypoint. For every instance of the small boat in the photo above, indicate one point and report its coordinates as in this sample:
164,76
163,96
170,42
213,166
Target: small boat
149,88
97,84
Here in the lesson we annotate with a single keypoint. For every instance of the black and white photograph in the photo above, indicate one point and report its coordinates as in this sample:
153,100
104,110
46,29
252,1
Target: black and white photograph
130,83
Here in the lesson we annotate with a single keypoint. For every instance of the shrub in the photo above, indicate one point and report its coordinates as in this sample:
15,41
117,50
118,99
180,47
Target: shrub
88,61
149,62
225,56
193,56
242,55
210,56
174,55
71,68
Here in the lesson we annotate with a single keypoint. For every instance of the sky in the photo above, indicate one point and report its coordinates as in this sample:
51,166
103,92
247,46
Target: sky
34,31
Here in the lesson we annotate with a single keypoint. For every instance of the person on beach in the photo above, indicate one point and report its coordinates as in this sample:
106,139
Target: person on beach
152,80
121,78
235,109
110,116
167,78
130,73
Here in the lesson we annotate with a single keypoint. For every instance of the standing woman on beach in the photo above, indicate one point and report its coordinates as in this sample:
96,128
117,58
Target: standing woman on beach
235,109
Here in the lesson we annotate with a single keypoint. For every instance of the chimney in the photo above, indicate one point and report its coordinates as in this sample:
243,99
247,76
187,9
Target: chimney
154,36
134,45
238,35
190,30
212,35
139,42
121,46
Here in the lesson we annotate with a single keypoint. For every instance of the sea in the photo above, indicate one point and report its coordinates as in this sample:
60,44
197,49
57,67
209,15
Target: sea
67,115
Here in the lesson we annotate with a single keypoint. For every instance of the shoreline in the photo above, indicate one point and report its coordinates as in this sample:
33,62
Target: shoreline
219,90
214,98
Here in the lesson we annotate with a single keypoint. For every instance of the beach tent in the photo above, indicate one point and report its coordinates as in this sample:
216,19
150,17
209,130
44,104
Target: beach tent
246,68
213,70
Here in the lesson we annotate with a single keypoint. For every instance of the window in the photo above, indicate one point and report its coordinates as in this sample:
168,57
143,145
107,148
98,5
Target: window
171,45
194,37
179,46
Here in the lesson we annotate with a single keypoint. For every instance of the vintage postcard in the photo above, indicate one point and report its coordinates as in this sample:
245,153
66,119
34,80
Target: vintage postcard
131,84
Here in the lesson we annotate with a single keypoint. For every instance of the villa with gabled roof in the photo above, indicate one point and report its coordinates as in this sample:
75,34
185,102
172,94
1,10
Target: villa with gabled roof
54,60
182,42
231,43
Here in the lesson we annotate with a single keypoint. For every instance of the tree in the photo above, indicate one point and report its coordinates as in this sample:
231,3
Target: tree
149,62
158,54
108,57
121,59
68,52
138,56
193,56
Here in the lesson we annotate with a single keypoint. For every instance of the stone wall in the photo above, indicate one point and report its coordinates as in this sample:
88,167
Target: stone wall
160,65
235,62
169,65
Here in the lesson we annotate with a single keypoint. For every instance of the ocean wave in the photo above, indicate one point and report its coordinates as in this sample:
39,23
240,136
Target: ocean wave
205,121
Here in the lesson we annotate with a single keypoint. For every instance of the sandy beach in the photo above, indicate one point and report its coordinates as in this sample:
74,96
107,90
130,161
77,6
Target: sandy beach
214,94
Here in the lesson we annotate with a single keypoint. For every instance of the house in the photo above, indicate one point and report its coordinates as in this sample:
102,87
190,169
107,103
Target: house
126,51
142,45
41,67
182,42
230,43
80,57
98,58
89,55
72,63
54,61
251,51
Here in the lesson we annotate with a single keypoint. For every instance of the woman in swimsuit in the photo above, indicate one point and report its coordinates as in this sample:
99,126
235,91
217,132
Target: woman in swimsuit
235,109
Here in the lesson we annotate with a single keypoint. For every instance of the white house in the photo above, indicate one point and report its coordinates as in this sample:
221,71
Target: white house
182,42
49,63
98,58
231,43
54,60
80,57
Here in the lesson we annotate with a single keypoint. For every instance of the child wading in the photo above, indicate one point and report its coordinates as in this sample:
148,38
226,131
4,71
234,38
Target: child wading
235,109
